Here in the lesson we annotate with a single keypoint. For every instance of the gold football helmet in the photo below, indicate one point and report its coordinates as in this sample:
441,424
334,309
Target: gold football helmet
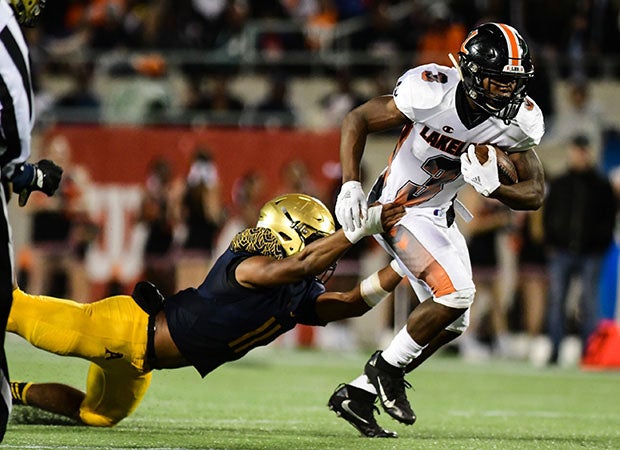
296,220
27,11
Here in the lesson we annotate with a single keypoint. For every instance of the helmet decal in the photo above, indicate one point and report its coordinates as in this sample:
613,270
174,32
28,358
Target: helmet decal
296,220
258,241
515,51
469,36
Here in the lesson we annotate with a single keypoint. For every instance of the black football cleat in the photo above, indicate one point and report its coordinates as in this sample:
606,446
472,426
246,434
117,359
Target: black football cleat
357,407
390,383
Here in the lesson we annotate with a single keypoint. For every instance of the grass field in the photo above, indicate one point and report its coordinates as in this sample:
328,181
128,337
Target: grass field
275,399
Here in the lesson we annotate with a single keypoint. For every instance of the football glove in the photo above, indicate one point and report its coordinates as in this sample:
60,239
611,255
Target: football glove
370,226
43,176
351,207
483,177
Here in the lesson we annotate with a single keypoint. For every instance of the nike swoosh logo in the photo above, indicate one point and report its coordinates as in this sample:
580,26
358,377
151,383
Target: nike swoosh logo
345,406
384,398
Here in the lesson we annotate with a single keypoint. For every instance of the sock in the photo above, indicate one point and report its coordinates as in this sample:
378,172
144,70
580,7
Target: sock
402,350
18,392
362,382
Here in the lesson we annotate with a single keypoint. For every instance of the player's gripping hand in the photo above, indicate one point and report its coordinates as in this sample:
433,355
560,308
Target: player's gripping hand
351,206
43,176
483,177
380,218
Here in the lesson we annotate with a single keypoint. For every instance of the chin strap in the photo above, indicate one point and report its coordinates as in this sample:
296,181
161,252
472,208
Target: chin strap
456,65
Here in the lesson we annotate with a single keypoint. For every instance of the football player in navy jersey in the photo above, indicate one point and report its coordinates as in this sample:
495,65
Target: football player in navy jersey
261,287
443,112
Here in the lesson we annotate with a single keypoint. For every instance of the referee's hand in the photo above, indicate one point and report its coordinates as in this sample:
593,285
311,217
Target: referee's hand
43,176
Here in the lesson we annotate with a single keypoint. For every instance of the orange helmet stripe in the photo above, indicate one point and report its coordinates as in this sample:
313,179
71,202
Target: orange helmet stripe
514,51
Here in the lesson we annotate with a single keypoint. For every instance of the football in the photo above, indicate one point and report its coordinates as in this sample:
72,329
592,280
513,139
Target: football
505,168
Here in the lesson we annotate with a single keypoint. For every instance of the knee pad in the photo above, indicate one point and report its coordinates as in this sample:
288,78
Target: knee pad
459,299
460,324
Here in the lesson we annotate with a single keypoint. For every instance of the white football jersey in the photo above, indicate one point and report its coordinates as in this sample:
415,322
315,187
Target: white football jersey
425,168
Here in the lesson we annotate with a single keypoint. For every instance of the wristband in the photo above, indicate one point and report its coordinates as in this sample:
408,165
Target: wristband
396,268
371,291
371,226
354,236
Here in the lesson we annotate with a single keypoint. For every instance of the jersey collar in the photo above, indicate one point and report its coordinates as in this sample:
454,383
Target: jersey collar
470,117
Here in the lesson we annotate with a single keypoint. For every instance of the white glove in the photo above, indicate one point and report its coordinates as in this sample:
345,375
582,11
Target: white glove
483,177
351,206
372,225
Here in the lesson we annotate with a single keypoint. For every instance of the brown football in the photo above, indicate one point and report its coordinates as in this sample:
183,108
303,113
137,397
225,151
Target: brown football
506,169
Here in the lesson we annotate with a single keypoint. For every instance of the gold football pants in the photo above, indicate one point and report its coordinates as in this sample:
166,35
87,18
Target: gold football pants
110,333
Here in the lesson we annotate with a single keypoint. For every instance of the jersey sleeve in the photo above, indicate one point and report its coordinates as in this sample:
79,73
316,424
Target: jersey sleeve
530,127
422,87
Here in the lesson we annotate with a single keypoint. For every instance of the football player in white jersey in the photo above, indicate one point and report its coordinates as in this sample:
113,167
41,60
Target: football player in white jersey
444,111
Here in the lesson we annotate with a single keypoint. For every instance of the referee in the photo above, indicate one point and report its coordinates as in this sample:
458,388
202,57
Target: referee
16,122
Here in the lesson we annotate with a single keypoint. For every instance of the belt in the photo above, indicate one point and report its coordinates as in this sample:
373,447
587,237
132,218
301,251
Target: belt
149,299
151,357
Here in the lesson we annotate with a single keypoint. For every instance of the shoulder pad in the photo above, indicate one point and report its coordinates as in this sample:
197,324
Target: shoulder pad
423,87
531,126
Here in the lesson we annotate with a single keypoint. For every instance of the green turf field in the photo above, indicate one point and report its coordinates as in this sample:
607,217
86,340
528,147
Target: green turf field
275,399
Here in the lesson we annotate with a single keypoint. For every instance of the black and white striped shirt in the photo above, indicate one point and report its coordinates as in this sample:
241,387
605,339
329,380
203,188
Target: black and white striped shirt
16,97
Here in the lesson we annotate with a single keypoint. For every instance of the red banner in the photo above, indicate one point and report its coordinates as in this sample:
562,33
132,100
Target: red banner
122,155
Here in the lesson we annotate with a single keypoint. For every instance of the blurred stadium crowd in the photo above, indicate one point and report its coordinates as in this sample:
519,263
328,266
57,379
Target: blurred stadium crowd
300,64
189,54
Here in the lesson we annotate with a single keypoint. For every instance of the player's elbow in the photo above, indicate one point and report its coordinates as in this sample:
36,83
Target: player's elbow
355,120
537,204
537,199
527,199
531,204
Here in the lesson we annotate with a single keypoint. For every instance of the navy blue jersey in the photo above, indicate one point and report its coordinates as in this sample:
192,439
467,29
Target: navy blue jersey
221,320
